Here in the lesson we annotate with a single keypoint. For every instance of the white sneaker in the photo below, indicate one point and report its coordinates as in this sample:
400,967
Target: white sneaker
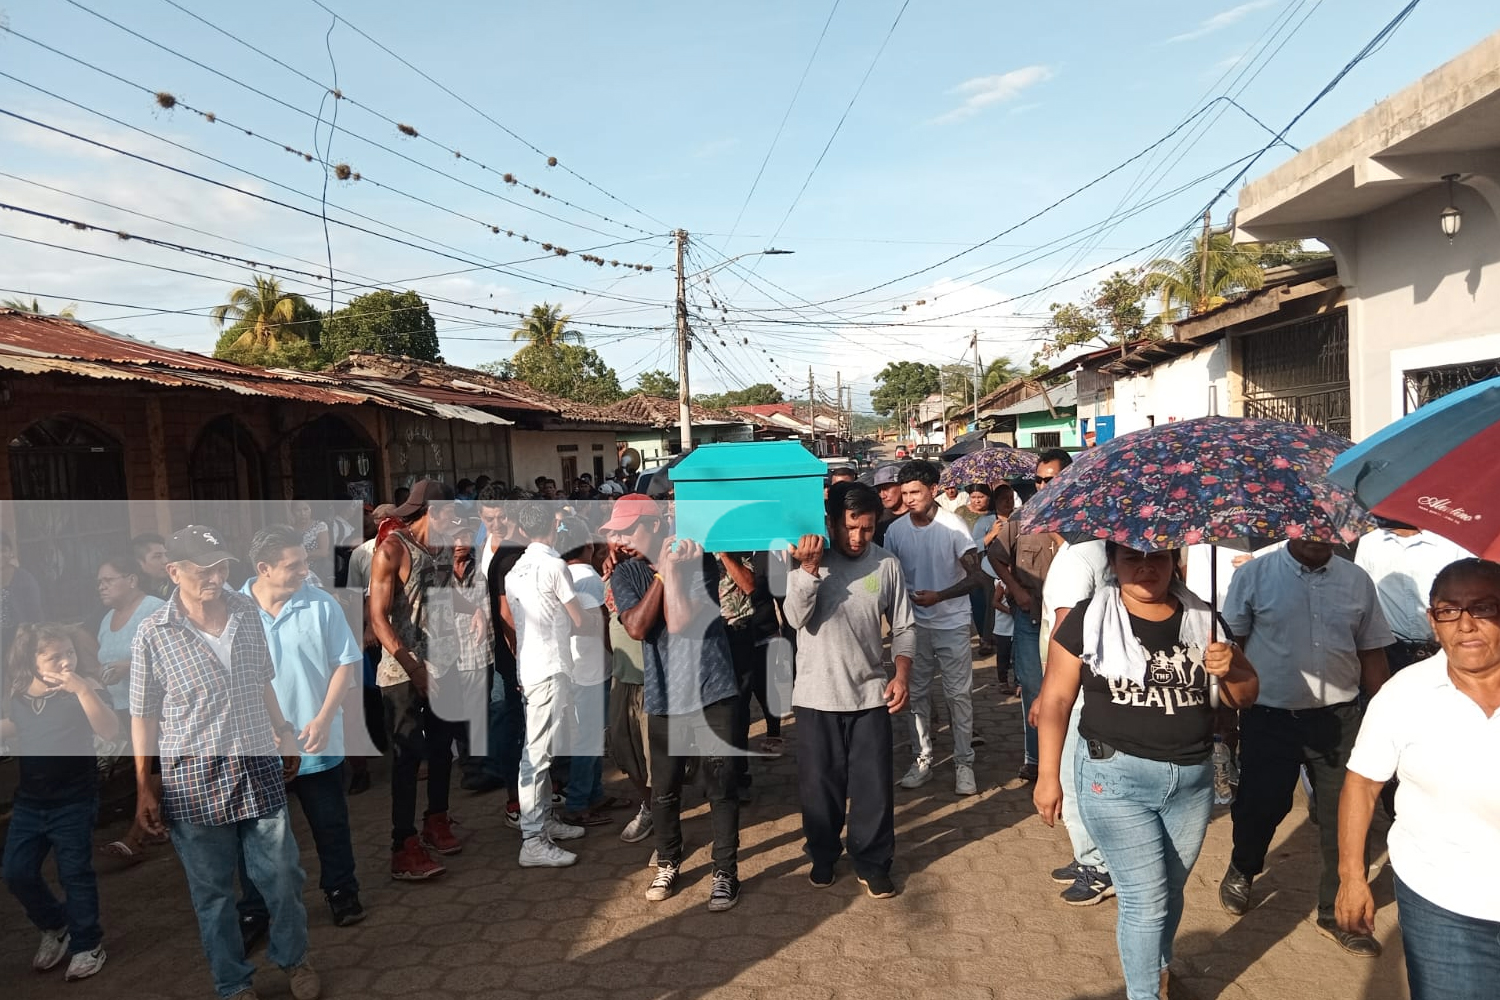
52,950
919,774
554,829
963,783
85,964
541,852
639,827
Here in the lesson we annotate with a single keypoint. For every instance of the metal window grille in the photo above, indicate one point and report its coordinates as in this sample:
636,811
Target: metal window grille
1300,373
1423,385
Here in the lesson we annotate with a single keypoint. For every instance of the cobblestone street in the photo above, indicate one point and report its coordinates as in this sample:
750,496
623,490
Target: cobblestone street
977,915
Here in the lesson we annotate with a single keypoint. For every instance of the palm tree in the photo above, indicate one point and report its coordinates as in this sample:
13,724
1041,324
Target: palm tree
546,327
998,373
69,311
263,309
1179,281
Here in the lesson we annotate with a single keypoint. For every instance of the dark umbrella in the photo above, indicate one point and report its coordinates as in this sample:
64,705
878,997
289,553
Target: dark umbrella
994,464
966,445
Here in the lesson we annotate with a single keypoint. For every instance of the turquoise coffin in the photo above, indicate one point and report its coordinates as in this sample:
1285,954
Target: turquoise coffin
749,496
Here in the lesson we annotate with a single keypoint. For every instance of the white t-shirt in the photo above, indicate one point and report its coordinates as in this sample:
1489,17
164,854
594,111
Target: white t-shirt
961,499
1076,572
590,661
536,588
1437,740
221,644
931,559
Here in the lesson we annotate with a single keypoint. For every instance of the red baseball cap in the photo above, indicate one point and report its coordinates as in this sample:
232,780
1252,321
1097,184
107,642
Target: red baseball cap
630,509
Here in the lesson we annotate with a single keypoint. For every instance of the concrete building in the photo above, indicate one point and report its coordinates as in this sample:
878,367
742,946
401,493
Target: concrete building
1419,308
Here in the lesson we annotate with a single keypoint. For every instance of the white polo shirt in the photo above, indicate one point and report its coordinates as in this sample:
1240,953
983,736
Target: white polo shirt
1425,731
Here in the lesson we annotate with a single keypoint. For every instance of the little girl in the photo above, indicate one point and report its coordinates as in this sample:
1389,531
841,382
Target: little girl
55,713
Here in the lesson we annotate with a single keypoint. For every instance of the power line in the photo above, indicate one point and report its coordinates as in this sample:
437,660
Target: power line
551,160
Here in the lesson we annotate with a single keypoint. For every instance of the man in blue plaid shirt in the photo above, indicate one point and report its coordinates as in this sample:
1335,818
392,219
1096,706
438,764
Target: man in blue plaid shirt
201,699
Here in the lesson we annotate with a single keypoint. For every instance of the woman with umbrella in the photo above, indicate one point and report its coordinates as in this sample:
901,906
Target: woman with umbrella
1433,725
1141,651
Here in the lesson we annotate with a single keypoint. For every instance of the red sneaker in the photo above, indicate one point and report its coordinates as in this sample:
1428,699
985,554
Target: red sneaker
413,863
437,834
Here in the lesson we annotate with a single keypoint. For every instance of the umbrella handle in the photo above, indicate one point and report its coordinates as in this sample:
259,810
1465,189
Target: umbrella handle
1213,618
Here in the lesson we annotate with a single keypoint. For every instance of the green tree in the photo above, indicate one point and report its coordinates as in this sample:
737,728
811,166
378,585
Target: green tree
292,352
759,394
1179,281
264,315
546,326
1112,313
384,322
657,383
567,370
69,311
903,383
999,372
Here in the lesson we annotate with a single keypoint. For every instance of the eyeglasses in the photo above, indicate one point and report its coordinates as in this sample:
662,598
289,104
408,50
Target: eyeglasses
1044,480
1479,612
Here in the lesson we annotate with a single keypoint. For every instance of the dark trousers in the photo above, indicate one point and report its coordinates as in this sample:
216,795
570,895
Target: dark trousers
1274,744
507,733
750,684
671,740
65,831
327,810
418,734
846,756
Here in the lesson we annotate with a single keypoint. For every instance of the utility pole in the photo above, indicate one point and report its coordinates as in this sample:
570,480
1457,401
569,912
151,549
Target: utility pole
684,411
812,418
838,405
1202,265
975,343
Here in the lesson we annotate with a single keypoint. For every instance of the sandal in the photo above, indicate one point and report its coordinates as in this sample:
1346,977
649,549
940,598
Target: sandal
586,818
123,851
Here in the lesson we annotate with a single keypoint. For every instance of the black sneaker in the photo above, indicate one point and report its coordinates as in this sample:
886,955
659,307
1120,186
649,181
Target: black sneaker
725,893
253,927
1027,772
664,884
1090,887
481,783
878,885
1067,874
345,906
1234,892
821,875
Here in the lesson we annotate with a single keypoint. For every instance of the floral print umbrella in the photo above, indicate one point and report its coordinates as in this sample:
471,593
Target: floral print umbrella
1239,482
994,464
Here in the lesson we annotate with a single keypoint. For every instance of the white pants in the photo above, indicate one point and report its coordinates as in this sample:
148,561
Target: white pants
943,655
546,703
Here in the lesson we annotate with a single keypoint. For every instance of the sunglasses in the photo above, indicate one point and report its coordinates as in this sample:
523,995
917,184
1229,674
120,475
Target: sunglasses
1044,480
1479,612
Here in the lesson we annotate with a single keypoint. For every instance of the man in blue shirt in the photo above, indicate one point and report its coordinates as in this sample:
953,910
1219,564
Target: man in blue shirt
317,662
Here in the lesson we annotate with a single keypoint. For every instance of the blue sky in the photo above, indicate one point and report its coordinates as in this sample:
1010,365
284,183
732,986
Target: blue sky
974,116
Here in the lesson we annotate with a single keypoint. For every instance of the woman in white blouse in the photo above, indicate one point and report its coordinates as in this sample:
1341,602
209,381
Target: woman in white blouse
1436,726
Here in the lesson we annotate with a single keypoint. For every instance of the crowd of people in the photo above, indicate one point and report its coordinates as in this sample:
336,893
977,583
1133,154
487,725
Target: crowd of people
528,637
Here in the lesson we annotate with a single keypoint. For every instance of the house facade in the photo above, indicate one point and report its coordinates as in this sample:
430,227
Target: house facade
1420,309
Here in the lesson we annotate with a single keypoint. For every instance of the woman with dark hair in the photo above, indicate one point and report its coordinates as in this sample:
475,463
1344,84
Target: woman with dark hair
126,606
1140,650
1433,726
979,515
316,539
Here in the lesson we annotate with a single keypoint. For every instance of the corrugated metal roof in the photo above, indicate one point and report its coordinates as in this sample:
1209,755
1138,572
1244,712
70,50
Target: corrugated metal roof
659,411
37,345
1063,395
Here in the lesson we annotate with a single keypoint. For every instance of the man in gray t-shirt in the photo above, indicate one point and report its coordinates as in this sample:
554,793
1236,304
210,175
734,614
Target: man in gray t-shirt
843,702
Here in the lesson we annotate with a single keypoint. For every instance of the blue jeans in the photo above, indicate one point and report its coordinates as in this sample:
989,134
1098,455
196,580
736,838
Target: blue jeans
1026,658
1448,956
327,810
589,715
67,831
1085,851
502,759
1148,818
210,856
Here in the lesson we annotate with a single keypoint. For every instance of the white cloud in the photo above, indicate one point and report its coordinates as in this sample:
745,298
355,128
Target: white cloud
983,91
1220,21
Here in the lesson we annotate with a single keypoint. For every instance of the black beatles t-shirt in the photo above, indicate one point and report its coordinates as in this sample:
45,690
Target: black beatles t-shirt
1169,718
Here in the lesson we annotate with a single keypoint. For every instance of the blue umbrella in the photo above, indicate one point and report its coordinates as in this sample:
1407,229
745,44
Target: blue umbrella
1436,468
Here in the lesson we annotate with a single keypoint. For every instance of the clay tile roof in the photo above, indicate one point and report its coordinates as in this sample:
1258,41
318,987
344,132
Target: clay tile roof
658,411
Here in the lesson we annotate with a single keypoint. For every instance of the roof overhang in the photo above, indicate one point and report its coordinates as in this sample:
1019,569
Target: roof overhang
1446,123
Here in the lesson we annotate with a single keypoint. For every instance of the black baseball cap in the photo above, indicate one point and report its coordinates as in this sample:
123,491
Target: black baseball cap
199,545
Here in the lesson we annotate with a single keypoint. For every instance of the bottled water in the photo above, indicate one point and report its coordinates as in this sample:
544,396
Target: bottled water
1226,774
